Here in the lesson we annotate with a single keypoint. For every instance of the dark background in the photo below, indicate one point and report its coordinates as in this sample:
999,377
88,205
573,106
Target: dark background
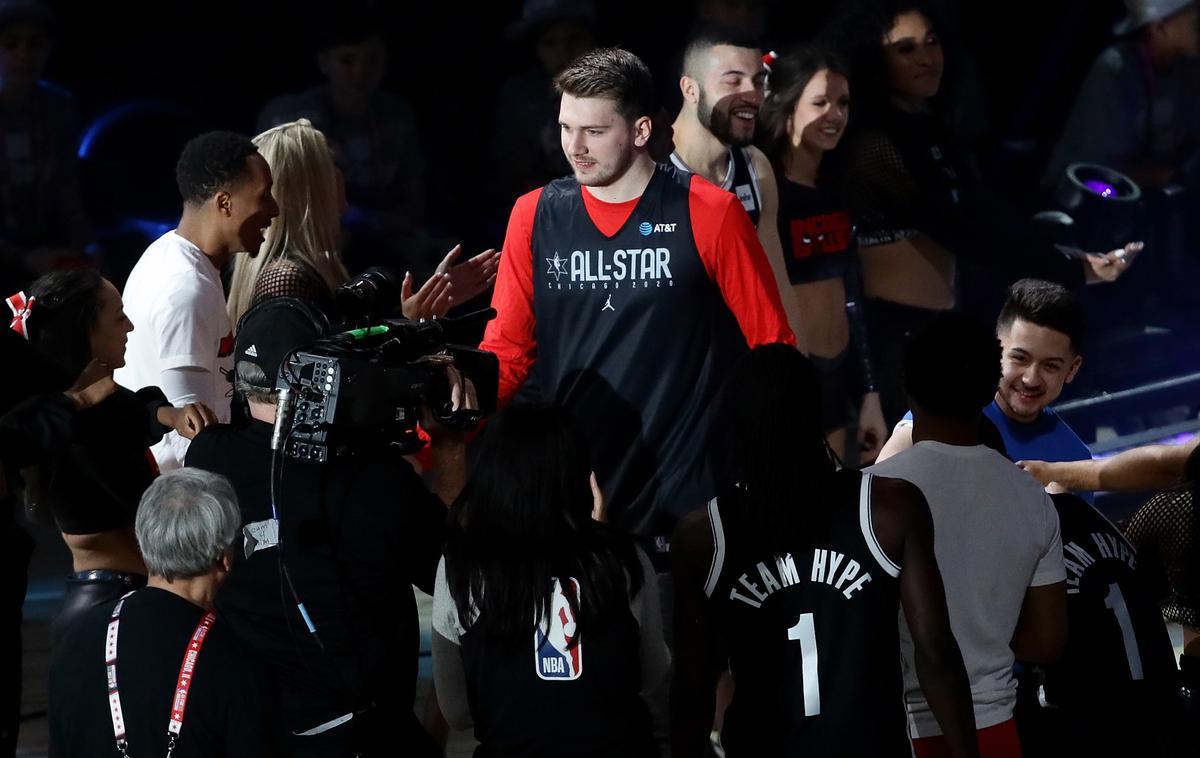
215,65
220,63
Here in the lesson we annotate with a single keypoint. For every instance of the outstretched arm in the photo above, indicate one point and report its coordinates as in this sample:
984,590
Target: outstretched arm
1142,468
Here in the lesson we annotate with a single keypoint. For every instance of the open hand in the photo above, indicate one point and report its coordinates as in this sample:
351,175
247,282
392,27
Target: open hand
431,301
1110,266
471,277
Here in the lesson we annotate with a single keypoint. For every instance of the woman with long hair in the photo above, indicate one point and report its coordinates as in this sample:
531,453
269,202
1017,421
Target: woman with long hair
546,620
75,323
919,206
300,257
803,118
793,579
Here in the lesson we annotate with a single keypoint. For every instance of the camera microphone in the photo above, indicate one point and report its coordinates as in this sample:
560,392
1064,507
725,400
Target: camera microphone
283,417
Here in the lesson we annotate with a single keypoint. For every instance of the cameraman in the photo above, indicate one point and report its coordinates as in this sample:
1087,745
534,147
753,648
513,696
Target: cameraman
354,533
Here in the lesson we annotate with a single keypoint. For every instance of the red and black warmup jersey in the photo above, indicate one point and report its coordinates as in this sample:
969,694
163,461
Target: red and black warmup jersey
630,315
812,634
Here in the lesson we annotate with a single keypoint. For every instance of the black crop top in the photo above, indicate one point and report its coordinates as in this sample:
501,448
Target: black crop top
94,483
816,232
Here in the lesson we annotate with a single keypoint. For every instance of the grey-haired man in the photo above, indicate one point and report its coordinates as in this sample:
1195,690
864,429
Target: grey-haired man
173,675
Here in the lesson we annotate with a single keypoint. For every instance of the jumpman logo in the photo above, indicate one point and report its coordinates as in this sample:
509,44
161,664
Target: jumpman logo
608,306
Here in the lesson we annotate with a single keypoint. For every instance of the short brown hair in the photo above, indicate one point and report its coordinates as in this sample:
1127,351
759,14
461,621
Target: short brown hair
1046,304
612,73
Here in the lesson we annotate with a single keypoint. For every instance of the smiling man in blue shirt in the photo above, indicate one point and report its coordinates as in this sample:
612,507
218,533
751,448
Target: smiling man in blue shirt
1040,329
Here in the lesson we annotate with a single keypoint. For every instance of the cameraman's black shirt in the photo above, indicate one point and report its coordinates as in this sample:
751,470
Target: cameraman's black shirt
355,534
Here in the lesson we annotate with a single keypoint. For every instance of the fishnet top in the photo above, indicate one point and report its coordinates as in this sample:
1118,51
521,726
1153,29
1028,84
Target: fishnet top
1166,533
903,176
285,278
889,202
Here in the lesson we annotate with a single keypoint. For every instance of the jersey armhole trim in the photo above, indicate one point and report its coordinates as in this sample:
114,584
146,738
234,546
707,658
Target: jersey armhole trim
718,559
753,172
868,528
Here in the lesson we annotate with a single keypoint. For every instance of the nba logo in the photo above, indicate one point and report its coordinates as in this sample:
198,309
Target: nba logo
554,657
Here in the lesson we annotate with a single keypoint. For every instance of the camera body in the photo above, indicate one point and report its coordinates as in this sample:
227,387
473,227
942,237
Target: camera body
365,388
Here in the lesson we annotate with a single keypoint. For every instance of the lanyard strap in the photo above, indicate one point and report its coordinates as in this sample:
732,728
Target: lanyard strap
182,685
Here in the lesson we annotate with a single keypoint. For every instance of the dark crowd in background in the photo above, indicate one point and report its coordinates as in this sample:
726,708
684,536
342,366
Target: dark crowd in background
389,134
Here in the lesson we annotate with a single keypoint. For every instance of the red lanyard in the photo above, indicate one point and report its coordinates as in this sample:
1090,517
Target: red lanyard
182,685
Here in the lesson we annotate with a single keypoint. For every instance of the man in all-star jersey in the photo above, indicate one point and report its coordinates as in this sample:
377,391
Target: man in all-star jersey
793,580
722,85
625,293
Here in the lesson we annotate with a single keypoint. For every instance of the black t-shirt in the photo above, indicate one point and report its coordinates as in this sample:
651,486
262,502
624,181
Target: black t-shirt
355,534
535,700
812,634
227,713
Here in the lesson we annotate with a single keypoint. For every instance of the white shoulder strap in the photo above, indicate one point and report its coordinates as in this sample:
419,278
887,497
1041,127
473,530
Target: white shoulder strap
718,559
868,528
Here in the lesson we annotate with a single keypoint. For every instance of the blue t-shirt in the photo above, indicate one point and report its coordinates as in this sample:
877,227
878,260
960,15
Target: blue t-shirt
1046,439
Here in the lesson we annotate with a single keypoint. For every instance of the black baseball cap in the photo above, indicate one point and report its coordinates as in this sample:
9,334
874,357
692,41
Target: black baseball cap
272,330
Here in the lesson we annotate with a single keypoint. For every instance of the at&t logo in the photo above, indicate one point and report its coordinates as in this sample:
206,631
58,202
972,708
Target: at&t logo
646,228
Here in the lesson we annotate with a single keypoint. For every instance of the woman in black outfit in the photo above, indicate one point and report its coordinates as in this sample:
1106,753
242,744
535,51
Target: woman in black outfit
802,119
546,621
919,208
91,485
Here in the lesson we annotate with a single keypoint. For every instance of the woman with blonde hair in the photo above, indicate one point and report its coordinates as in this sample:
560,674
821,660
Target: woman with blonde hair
300,254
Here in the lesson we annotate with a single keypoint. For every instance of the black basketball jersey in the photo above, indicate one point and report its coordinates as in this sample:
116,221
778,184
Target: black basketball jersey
557,694
1118,650
741,179
641,341
813,636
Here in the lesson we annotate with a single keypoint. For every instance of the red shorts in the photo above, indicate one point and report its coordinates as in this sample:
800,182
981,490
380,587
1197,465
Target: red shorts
999,741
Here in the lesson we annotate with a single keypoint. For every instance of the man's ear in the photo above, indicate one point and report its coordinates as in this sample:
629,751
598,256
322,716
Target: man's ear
690,89
223,202
641,131
1073,369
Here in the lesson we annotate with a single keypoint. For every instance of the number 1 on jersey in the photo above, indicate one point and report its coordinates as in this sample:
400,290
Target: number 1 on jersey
805,632
1115,602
